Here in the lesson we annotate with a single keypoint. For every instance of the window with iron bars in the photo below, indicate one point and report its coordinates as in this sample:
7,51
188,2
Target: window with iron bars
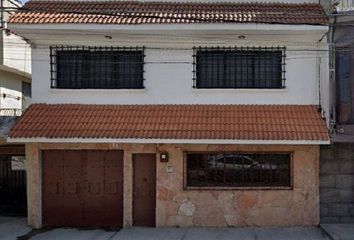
82,67
239,67
238,170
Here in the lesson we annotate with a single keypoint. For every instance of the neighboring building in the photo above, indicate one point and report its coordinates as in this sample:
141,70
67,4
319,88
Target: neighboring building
15,66
174,114
15,95
337,160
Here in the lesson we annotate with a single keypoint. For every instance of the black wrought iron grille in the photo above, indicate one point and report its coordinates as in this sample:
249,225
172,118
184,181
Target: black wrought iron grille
81,67
239,67
238,170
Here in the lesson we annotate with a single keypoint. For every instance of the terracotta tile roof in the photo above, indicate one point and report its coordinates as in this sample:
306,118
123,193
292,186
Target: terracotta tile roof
242,122
135,12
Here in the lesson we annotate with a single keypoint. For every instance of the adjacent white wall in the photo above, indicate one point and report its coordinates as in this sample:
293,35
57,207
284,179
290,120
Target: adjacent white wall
11,86
16,53
15,66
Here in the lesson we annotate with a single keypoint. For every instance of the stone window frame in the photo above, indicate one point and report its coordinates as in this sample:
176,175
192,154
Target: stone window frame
230,188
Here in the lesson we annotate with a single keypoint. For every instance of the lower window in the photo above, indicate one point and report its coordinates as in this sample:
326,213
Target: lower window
238,169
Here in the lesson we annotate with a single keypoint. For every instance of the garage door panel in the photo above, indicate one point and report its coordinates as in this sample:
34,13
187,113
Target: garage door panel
92,192
95,208
53,189
74,185
100,172
114,185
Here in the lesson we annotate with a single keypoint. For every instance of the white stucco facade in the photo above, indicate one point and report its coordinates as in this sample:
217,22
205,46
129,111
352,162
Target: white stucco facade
169,63
10,90
16,53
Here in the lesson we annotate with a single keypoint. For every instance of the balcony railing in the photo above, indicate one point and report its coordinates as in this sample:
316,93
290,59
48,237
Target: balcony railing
10,112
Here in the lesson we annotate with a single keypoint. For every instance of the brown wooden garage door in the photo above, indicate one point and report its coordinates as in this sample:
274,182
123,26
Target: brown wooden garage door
83,188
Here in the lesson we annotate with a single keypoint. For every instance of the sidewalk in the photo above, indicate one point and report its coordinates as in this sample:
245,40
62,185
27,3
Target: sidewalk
11,228
340,231
137,233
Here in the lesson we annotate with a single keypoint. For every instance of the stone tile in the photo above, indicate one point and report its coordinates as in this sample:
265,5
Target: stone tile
329,219
347,195
351,211
327,181
338,210
338,171
347,166
345,181
324,210
329,195
326,153
329,167
343,151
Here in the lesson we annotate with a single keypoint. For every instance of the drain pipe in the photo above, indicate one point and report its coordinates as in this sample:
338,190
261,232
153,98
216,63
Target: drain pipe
332,74
2,14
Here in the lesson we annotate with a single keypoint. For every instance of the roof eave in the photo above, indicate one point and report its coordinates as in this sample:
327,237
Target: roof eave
168,141
166,27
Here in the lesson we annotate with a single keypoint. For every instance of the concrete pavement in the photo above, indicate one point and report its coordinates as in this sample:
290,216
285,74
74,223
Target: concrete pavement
340,231
137,233
11,228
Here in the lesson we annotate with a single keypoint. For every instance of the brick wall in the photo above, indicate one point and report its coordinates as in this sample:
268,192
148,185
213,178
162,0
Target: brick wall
337,183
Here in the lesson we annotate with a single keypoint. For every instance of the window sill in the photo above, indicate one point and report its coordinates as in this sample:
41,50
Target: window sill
236,188
241,90
96,90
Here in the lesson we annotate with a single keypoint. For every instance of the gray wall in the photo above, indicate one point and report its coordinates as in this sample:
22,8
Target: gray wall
337,183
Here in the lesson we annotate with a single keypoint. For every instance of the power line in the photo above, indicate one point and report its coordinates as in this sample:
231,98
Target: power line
148,62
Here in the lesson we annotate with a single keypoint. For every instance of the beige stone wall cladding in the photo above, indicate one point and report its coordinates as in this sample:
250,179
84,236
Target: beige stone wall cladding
300,206
217,208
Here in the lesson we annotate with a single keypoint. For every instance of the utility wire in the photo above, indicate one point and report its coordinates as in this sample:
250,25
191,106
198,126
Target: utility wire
150,62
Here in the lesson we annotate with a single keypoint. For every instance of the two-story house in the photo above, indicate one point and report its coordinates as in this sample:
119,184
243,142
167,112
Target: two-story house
15,94
174,113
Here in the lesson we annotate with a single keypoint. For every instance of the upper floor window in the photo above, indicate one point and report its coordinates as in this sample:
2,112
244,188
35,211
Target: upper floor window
244,67
96,67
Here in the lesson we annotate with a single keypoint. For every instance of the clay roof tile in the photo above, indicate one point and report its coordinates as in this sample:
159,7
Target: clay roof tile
139,12
248,122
